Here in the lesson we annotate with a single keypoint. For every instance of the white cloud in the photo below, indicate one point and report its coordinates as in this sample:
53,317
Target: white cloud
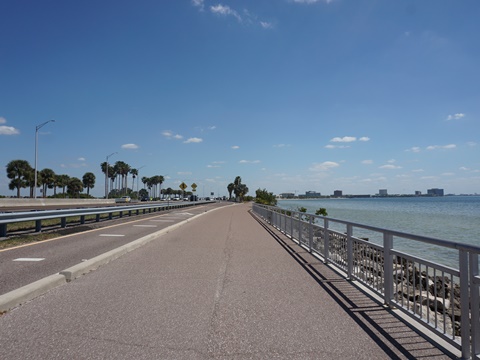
281,145
391,161
7,130
325,166
329,146
436,147
364,138
266,25
471,143
225,10
457,116
448,174
193,140
418,170
464,168
130,146
213,127
170,135
249,161
235,147
213,166
184,173
367,162
199,4
344,139
390,167
81,159
414,149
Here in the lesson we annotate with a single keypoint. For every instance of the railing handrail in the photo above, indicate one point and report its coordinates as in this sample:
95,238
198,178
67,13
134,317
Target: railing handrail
430,240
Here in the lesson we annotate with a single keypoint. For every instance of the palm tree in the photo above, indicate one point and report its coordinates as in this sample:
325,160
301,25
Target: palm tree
17,171
122,169
88,181
230,188
134,173
48,180
74,187
62,182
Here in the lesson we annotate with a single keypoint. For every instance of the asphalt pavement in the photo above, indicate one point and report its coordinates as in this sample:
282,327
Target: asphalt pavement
221,286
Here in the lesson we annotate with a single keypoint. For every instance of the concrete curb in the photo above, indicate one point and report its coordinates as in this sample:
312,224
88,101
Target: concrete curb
28,292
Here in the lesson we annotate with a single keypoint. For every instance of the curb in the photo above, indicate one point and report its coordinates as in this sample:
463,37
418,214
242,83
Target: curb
28,292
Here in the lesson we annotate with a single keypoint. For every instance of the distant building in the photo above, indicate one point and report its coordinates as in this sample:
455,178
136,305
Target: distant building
312,194
383,192
418,193
435,192
287,195
338,193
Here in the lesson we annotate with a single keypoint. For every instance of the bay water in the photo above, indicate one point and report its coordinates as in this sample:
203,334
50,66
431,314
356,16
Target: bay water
451,218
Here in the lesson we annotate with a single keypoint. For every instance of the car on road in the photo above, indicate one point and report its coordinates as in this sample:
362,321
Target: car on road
123,199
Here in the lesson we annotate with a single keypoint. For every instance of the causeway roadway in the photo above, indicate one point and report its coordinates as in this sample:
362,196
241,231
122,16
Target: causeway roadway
221,286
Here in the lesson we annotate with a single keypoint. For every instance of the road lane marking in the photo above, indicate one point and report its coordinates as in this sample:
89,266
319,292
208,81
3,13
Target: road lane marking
111,235
29,259
166,220
149,226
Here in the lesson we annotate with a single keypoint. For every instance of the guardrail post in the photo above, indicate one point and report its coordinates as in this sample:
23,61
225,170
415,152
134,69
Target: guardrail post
63,222
82,219
349,252
310,233
97,218
326,241
110,216
38,225
3,230
464,304
387,268
474,293
120,215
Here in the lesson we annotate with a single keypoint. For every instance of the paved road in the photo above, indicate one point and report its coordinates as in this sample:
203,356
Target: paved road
219,287
26,264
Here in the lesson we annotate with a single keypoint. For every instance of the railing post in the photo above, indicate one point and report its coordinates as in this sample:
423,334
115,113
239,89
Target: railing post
326,241
63,222
300,225
82,219
349,252
310,233
387,268
464,304
474,293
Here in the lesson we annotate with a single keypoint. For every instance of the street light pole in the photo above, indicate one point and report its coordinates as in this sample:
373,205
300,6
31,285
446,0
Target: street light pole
106,175
138,175
36,154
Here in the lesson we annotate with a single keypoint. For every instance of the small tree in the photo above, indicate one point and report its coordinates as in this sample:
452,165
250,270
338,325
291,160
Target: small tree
265,198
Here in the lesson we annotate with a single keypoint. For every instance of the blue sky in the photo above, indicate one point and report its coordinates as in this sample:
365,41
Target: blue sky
290,95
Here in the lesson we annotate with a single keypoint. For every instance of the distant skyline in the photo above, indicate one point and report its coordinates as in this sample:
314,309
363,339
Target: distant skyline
291,95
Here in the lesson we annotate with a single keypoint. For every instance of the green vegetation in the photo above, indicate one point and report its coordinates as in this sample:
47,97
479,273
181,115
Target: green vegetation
239,189
266,198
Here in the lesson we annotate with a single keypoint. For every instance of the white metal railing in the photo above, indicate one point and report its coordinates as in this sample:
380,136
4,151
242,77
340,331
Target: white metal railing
443,298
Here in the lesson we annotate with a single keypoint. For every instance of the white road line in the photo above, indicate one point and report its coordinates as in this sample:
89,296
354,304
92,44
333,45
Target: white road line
111,235
145,225
29,259
163,220
184,214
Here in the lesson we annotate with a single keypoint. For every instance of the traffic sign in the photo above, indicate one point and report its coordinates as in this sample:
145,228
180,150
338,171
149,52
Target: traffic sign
194,187
183,186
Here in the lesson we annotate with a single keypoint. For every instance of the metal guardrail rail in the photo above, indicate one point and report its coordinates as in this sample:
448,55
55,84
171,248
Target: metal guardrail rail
39,216
442,298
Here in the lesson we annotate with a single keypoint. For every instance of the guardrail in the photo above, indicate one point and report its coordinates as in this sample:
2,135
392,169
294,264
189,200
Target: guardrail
442,298
39,216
